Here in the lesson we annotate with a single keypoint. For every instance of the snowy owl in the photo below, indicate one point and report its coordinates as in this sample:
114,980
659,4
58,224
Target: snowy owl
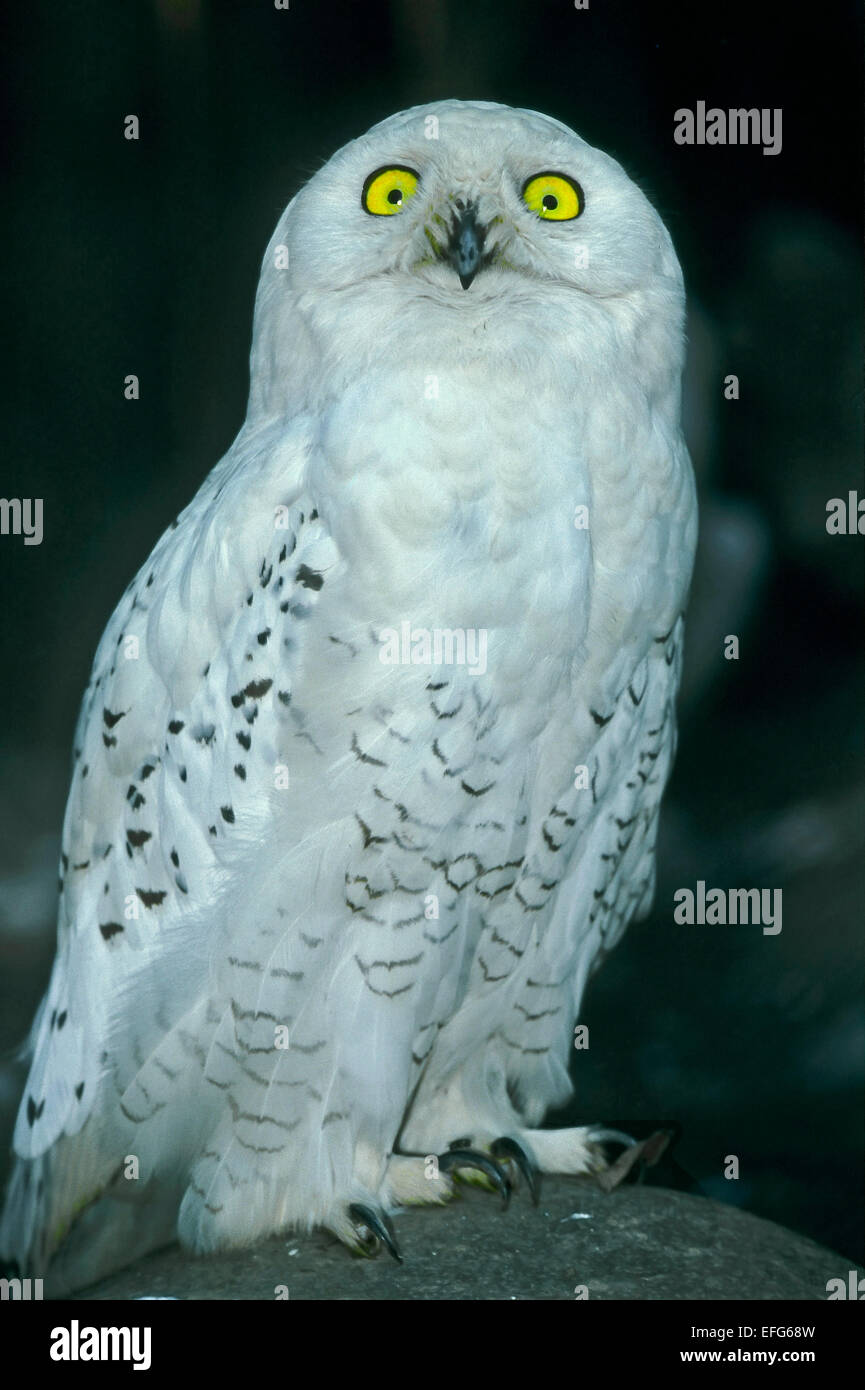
367,775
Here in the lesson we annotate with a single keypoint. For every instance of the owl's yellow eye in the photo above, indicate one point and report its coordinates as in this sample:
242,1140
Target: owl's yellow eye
553,197
386,191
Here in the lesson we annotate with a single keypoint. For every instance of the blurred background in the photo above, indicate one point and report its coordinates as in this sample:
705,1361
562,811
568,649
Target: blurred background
142,257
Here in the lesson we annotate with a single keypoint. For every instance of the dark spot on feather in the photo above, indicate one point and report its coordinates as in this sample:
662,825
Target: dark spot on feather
227,814
244,739
137,838
263,636
61,1019
109,740
79,1090
150,898
310,579
175,858
240,771
109,929
111,719
175,726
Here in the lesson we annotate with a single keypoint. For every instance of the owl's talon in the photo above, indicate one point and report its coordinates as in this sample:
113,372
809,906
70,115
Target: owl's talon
511,1151
379,1225
470,1158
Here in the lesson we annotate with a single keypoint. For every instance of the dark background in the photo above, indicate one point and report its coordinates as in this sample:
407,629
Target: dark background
142,257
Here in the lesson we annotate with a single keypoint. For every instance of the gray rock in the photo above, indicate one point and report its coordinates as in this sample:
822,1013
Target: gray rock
635,1243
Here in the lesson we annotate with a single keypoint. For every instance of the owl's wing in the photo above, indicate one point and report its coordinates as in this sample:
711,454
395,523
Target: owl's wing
204,640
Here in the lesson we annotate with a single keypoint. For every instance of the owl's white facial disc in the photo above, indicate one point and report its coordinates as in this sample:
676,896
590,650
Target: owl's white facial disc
458,229
467,215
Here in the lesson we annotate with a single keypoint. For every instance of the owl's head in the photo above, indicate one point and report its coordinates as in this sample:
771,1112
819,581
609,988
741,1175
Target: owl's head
459,213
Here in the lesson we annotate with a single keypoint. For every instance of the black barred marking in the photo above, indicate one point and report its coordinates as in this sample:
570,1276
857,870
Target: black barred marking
543,1013
175,858
34,1111
256,689
227,814
240,771
137,838
477,791
368,837
146,771
263,636
109,929
61,1019
284,697
600,719
111,719
549,841
175,726
244,739
109,740
364,757
490,979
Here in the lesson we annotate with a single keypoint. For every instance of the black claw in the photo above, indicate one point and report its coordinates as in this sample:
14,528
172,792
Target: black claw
510,1149
470,1158
378,1222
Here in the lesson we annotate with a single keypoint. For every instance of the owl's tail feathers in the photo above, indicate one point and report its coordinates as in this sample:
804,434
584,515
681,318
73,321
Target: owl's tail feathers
72,1244
24,1244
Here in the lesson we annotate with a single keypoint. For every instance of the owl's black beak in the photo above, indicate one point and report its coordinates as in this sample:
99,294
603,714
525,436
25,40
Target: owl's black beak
466,244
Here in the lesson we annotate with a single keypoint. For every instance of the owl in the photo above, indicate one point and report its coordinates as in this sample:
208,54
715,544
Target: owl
367,776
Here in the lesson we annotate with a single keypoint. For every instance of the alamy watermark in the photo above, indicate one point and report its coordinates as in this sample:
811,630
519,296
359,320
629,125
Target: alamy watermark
22,516
723,906
437,646
738,126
